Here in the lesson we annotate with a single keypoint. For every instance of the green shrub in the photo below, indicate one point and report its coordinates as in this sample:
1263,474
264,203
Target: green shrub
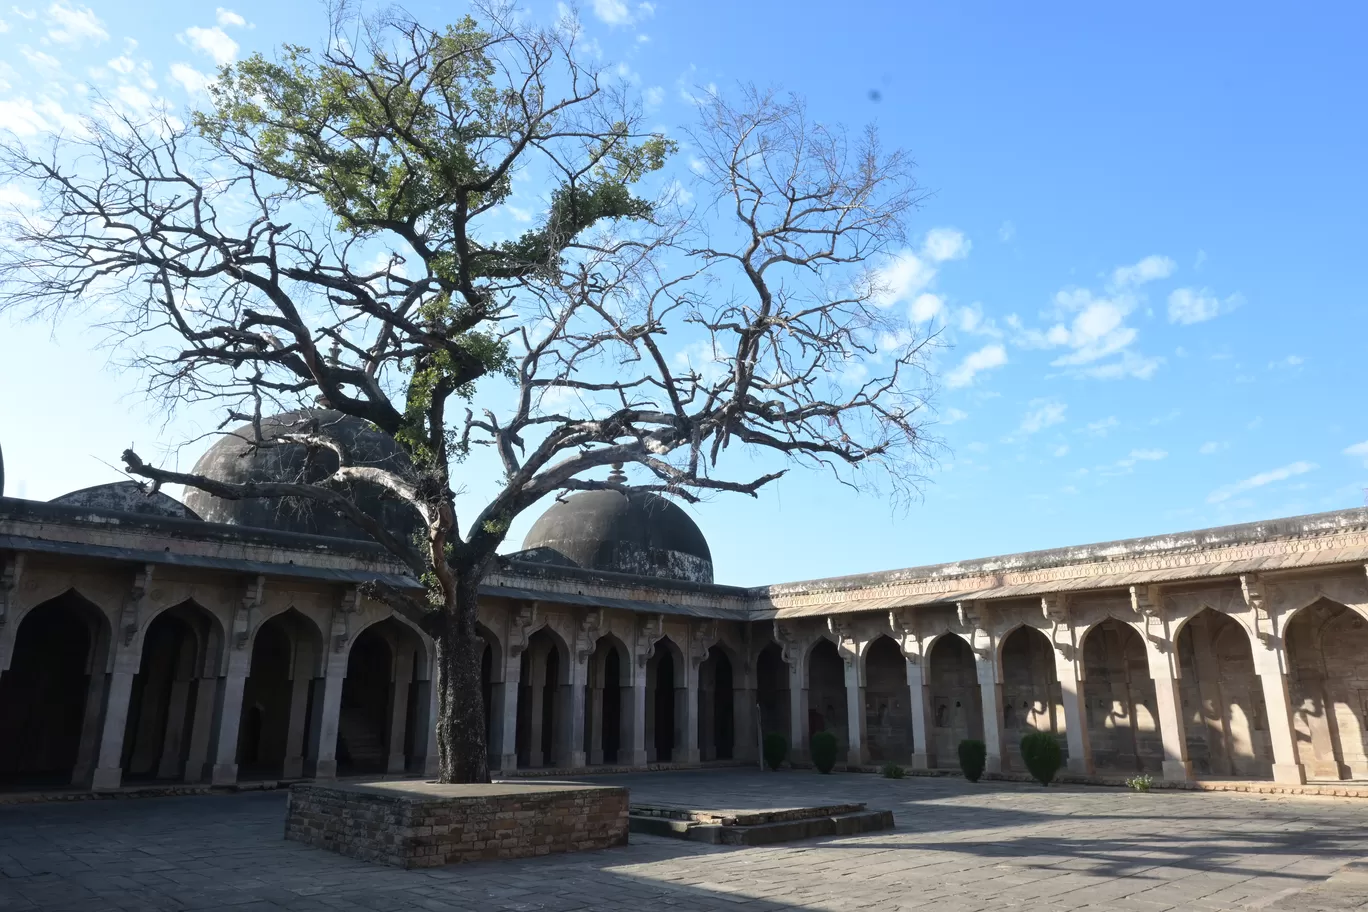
893,771
1042,756
776,749
824,746
973,755
1141,783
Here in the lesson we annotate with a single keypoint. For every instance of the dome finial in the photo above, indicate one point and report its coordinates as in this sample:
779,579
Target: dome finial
617,476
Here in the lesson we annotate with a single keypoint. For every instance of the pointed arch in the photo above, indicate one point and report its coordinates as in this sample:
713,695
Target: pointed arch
1031,697
1122,706
717,691
666,689
772,690
887,703
288,655
955,700
1327,657
1225,720
607,704
543,691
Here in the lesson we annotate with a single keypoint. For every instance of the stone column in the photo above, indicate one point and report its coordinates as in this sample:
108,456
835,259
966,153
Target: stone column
426,761
108,764
918,699
169,766
505,710
398,712
745,736
991,690
686,715
89,745
798,710
327,709
1270,663
299,720
1071,694
1163,667
707,712
201,729
855,710
593,724
536,700
228,717
570,715
632,751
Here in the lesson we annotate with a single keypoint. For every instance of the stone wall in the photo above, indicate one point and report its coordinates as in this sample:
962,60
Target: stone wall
423,825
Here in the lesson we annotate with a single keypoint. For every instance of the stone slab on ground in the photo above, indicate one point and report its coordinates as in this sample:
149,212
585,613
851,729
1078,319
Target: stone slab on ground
753,827
412,824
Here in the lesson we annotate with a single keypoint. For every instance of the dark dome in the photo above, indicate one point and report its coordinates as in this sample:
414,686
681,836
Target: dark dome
634,532
127,497
233,459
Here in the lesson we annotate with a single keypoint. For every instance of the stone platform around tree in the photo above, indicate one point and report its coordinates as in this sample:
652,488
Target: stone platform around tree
427,824
757,827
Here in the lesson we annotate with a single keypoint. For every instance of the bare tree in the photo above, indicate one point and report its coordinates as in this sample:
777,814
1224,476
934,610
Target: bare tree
340,202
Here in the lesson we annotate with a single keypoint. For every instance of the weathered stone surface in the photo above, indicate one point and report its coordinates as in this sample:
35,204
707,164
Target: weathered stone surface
424,825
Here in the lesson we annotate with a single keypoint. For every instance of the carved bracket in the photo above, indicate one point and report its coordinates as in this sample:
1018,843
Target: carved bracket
520,627
1148,602
342,614
1055,607
11,572
788,642
587,635
134,603
846,643
973,617
245,614
701,638
1253,589
652,629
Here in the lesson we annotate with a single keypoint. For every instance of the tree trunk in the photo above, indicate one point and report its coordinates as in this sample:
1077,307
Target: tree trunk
462,751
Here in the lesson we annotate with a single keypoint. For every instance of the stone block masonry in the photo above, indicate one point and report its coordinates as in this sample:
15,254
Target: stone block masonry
426,824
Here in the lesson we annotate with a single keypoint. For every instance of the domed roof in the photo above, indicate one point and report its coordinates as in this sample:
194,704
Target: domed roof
621,532
234,459
127,497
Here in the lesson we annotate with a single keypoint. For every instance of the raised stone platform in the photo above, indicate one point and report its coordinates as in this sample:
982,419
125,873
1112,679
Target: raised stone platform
757,827
425,824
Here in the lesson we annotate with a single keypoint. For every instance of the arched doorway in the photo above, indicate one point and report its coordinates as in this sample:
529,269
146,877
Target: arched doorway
1123,722
56,674
603,705
1223,706
539,701
1327,654
888,709
827,708
665,688
277,696
716,707
363,720
1031,699
167,732
772,690
956,704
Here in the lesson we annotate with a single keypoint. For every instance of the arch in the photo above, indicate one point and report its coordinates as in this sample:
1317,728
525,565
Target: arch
543,691
374,707
956,702
1224,718
287,658
717,705
1031,696
826,697
666,689
1122,708
888,707
772,690
1327,658
607,704
51,693
169,712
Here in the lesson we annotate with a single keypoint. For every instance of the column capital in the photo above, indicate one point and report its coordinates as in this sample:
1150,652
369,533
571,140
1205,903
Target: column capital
131,616
245,614
702,636
1252,588
11,575
648,634
521,624
587,634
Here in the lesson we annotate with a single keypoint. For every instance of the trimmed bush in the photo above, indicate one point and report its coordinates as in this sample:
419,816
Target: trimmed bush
1042,756
893,771
824,747
973,755
776,749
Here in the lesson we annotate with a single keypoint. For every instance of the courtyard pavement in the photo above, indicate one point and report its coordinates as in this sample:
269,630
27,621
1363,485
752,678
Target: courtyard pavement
957,848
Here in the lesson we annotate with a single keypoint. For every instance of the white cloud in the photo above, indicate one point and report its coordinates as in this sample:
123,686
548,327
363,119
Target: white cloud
926,307
227,18
1100,428
1061,451
1006,232
1289,361
654,96
943,244
14,198
1043,413
213,42
24,118
617,12
122,65
1258,481
986,358
1358,449
1192,305
951,416
74,24
1150,269
1129,365
1212,447
4,26
192,80
518,213
1141,456
41,61
901,277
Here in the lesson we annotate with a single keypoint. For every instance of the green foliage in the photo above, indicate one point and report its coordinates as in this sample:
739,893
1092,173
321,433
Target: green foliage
973,756
776,750
1041,753
824,747
1141,783
893,771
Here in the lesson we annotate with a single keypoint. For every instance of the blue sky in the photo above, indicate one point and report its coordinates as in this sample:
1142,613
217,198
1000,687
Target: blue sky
1145,248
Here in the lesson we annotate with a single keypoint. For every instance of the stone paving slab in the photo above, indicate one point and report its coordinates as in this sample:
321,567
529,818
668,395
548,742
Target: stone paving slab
956,848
